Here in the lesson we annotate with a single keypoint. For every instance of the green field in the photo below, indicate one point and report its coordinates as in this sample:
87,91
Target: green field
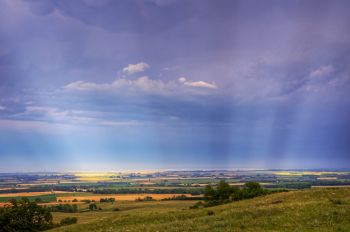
43,198
326,209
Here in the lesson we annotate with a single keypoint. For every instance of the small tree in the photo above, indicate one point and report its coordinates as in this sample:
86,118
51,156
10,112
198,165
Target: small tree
253,186
209,193
92,207
221,194
253,189
224,191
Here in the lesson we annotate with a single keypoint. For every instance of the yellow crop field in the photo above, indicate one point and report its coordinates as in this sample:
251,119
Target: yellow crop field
120,197
95,176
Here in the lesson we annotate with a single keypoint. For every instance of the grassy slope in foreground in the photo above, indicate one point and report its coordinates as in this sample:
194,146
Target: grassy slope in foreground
309,210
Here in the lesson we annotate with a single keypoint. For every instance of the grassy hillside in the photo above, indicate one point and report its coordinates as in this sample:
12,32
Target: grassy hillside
309,210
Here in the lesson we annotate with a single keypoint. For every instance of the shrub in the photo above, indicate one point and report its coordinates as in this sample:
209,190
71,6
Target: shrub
92,207
68,221
337,201
210,212
199,204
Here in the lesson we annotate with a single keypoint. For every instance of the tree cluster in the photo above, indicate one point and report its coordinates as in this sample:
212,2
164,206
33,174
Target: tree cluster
225,193
146,198
23,215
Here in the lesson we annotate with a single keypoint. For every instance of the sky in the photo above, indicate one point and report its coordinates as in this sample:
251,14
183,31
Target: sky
172,84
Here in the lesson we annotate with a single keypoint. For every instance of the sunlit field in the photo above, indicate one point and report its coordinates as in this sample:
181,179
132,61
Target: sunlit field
300,173
122,197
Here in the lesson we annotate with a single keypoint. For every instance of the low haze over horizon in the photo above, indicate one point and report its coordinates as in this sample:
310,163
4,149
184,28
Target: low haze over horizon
170,84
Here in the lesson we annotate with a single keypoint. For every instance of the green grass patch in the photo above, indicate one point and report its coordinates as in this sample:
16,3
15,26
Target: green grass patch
39,198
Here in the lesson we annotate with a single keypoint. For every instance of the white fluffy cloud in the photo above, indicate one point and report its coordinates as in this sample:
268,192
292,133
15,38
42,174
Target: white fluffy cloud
201,84
135,68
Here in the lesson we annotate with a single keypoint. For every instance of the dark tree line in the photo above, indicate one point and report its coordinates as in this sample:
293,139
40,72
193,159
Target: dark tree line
65,208
107,200
182,198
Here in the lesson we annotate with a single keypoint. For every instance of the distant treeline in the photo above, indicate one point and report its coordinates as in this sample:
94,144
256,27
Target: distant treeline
183,198
65,208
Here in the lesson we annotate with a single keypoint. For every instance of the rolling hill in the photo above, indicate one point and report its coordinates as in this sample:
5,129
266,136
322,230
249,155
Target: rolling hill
322,209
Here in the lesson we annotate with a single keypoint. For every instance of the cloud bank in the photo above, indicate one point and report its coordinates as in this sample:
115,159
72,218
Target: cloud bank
144,84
